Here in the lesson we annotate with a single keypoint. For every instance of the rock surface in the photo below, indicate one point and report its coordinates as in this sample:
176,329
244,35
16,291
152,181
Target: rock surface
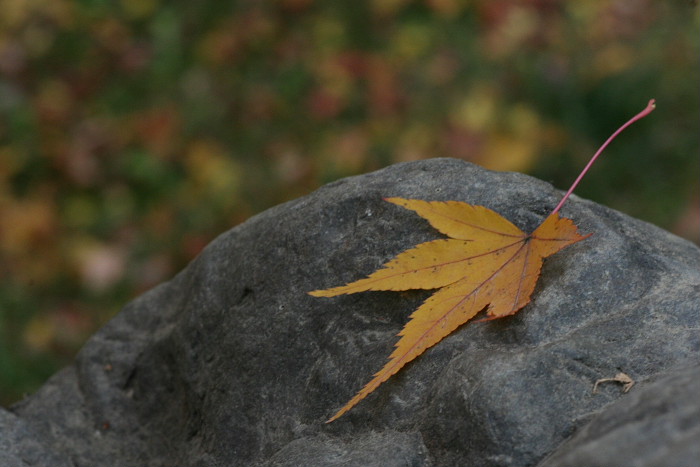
231,363
659,425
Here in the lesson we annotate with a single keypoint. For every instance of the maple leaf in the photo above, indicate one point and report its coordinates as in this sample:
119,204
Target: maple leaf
487,263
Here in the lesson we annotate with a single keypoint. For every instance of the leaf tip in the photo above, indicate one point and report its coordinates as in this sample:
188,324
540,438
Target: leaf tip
319,293
393,200
340,413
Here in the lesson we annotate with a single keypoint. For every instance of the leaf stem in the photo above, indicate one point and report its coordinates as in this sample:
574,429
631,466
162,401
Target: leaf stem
649,108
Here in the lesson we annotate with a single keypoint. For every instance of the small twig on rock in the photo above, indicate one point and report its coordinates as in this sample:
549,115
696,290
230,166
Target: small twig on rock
622,378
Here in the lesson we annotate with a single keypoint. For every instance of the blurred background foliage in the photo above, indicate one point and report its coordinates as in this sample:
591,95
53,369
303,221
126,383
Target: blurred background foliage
133,132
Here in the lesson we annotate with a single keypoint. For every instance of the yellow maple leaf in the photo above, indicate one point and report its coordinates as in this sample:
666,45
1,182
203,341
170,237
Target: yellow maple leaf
487,261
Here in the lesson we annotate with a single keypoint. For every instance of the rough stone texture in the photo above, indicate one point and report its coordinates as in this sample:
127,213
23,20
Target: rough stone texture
232,364
659,424
391,448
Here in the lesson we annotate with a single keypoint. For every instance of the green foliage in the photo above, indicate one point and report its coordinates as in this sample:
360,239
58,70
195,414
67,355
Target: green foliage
133,132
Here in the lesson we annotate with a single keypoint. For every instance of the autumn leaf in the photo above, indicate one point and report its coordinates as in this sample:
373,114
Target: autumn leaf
487,263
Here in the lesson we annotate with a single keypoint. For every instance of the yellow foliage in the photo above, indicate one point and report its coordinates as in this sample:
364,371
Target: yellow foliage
487,263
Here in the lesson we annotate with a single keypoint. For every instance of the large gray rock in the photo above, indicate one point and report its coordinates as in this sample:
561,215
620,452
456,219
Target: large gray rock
232,364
